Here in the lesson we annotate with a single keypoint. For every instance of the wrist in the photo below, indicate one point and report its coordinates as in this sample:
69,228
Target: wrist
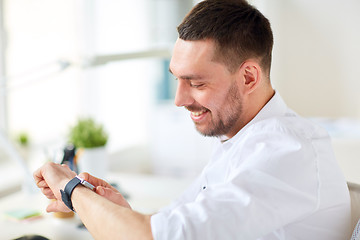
69,188
64,182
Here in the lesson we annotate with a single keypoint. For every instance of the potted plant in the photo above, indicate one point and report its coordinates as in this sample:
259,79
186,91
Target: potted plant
22,143
90,140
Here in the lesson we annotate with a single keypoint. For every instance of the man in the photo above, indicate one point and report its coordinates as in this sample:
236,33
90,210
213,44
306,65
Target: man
272,175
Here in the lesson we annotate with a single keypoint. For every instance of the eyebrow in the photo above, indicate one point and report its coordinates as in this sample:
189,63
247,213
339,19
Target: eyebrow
188,77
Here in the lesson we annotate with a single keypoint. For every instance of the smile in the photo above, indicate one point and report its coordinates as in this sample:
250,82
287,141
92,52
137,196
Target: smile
196,114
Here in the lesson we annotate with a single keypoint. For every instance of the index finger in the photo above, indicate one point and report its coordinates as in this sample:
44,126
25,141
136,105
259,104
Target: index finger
39,179
95,181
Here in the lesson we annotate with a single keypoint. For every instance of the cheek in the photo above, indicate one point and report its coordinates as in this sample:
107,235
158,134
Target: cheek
210,100
203,98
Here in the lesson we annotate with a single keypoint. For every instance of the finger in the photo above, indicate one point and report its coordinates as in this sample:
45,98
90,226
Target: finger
113,196
48,193
94,180
100,190
37,175
57,206
42,184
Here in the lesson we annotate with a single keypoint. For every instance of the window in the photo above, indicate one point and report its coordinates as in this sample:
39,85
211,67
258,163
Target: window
50,74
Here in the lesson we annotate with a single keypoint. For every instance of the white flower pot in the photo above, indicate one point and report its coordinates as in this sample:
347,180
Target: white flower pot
93,161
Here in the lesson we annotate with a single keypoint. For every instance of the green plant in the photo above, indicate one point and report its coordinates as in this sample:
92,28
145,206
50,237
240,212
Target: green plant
23,139
88,134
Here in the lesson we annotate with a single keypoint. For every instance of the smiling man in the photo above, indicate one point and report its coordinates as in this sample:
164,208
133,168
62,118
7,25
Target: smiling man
221,101
272,175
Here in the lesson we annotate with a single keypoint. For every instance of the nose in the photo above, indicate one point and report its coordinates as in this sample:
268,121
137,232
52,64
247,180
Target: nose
183,94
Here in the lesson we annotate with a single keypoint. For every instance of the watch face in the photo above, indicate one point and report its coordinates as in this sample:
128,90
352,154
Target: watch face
88,185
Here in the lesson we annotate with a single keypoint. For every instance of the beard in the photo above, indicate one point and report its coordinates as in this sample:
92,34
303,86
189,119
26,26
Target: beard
222,122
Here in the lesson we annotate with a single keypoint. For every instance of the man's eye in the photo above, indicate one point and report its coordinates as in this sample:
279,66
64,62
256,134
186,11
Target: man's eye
196,85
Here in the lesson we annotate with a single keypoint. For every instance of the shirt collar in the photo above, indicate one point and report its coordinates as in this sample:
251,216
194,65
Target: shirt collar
274,107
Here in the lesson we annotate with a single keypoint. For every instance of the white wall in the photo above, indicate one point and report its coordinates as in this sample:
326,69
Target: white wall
316,55
316,67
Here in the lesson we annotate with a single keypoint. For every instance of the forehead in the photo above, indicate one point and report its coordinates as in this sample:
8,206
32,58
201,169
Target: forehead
191,56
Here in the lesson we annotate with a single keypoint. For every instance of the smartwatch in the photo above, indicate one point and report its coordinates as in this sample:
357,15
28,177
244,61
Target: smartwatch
70,186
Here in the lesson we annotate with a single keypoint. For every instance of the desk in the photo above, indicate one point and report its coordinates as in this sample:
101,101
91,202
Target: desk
147,194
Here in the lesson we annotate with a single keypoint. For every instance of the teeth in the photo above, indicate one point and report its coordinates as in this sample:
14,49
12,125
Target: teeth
196,114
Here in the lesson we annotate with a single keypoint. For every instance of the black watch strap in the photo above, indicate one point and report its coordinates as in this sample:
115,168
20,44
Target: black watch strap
69,188
66,193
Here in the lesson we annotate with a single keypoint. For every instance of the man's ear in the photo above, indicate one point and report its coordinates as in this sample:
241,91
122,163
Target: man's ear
251,75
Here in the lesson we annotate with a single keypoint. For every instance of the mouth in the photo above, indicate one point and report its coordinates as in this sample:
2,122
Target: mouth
196,116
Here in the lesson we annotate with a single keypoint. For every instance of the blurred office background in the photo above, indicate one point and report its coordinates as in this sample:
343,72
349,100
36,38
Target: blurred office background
108,59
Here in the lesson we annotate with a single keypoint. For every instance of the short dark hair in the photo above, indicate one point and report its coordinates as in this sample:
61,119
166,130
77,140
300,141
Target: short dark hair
238,29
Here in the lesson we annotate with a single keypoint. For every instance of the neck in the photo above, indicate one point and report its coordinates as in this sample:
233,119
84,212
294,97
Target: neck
257,100
252,104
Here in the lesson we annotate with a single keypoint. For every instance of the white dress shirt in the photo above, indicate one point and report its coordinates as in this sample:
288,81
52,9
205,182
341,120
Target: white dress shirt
277,178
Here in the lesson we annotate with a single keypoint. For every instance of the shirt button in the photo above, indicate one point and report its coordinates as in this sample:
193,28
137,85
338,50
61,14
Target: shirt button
204,187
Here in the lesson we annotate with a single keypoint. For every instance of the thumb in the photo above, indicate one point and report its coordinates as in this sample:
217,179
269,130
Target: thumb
112,196
57,206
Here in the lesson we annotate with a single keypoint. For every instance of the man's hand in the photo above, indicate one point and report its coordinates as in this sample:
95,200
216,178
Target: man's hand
106,190
50,178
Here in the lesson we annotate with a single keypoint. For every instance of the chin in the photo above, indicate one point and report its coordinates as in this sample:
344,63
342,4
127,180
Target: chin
207,133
